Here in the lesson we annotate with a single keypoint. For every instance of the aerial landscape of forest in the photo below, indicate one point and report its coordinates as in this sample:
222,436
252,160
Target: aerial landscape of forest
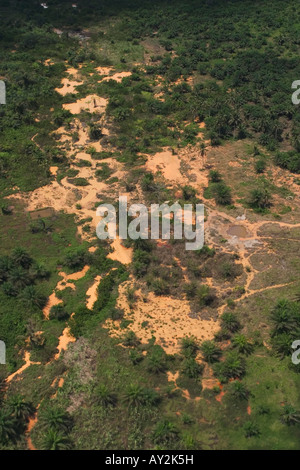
143,344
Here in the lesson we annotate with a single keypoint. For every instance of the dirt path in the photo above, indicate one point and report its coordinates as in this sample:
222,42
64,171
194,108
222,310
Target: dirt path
27,364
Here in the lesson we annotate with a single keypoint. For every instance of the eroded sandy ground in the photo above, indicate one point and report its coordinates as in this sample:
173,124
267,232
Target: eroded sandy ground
166,318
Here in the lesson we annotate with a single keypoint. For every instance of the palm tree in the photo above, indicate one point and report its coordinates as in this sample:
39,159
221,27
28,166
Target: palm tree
290,415
189,346
130,339
156,362
235,121
57,419
251,429
55,440
165,432
151,397
8,426
238,390
135,356
282,344
233,366
33,298
134,395
203,151
283,317
21,257
21,409
9,289
222,194
215,176
38,270
58,312
260,198
5,266
242,344
191,368
105,397
19,278
230,322
211,353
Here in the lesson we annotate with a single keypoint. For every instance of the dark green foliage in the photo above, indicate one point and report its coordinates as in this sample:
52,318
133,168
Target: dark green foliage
18,274
191,368
234,62
289,160
260,166
189,346
95,132
290,415
58,312
136,395
141,261
104,396
130,339
204,296
188,193
78,181
147,182
19,408
215,176
75,258
238,390
233,366
8,427
56,419
165,433
230,322
242,344
104,172
135,356
210,351
32,297
260,198
285,317
156,360
55,440
251,429
221,193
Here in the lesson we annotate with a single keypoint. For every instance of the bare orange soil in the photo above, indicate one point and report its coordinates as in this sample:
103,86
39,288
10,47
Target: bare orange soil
91,103
120,253
167,319
91,293
28,363
63,341
61,285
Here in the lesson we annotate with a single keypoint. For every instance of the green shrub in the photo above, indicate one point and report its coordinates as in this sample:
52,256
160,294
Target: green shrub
221,193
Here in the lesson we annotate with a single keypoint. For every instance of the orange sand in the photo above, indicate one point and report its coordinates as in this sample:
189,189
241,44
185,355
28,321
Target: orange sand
91,103
28,363
120,253
91,293
63,341
168,320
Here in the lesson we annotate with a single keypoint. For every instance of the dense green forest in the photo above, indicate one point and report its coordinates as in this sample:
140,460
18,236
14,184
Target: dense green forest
210,82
